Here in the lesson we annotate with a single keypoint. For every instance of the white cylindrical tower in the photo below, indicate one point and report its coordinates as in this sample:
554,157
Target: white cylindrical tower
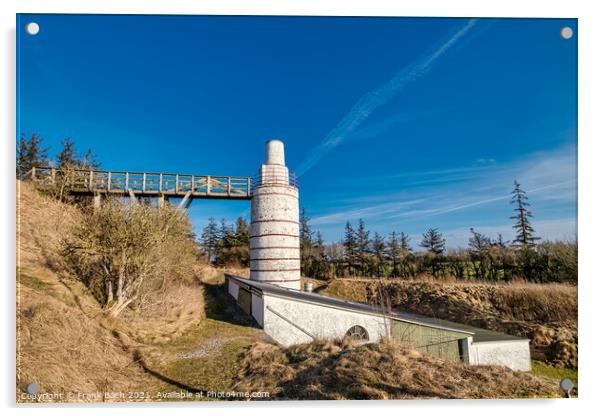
275,253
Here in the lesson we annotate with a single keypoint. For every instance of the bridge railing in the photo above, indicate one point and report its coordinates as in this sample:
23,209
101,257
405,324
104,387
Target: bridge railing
149,183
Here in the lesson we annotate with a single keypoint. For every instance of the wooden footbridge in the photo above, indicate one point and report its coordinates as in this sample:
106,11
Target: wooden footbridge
98,183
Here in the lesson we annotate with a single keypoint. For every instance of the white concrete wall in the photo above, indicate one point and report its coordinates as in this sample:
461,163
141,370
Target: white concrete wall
257,308
233,288
320,321
512,354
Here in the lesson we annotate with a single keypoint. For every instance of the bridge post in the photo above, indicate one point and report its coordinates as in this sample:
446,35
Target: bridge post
162,199
97,200
133,197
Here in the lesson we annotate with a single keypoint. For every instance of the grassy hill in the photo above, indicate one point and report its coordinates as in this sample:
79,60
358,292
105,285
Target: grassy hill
194,339
325,370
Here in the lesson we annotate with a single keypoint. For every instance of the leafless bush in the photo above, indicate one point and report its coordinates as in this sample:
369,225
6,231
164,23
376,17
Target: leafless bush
128,254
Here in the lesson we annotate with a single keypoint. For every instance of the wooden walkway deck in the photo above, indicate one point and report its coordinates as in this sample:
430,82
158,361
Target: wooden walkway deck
144,184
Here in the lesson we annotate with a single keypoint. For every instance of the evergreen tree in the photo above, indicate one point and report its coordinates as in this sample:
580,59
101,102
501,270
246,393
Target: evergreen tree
210,239
362,237
305,242
67,157
350,246
320,260
525,234
404,243
499,241
30,153
363,244
478,242
89,162
394,253
406,268
433,241
242,232
379,251
479,246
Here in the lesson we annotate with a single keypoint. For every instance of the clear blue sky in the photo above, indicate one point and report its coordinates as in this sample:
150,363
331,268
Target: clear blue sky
408,123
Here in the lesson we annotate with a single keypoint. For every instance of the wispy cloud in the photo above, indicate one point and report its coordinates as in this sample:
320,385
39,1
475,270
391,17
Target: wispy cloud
481,197
378,97
370,211
549,229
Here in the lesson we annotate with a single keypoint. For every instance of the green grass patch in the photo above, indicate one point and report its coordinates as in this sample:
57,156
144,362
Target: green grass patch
34,282
539,368
206,357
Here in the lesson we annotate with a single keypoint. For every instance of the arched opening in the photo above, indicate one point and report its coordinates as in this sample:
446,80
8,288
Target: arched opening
357,333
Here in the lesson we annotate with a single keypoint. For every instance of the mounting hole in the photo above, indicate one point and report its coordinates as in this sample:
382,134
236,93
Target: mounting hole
32,28
566,32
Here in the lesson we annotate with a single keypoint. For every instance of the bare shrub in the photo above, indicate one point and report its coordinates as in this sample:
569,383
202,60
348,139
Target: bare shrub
128,254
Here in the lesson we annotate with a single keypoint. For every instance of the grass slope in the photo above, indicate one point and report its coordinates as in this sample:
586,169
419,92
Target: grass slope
342,370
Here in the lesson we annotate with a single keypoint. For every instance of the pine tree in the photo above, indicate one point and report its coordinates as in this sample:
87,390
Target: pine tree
478,242
499,241
320,261
479,246
363,244
242,232
404,243
210,239
67,157
433,241
305,242
350,245
525,234
30,153
89,162
378,250
394,253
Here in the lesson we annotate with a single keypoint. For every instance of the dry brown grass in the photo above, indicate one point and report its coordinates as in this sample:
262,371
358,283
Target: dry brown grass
65,341
545,313
42,223
343,370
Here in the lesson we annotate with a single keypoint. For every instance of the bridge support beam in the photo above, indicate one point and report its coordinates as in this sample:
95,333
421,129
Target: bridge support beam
97,200
133,197
162,200
185,202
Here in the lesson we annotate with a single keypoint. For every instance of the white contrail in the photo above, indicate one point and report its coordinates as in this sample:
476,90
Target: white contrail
377,98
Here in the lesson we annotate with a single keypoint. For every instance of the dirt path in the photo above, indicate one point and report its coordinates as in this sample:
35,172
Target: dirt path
206,358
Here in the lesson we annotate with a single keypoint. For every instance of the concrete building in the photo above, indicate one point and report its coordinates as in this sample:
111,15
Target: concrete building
275,253
291,316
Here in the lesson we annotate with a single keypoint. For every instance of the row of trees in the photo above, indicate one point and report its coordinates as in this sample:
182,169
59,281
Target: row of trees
226,244
360,254
32,153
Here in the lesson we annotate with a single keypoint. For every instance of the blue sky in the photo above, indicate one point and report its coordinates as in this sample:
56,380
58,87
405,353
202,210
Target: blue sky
408,123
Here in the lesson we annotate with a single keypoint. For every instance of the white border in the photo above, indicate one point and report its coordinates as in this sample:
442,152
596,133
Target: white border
590,135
